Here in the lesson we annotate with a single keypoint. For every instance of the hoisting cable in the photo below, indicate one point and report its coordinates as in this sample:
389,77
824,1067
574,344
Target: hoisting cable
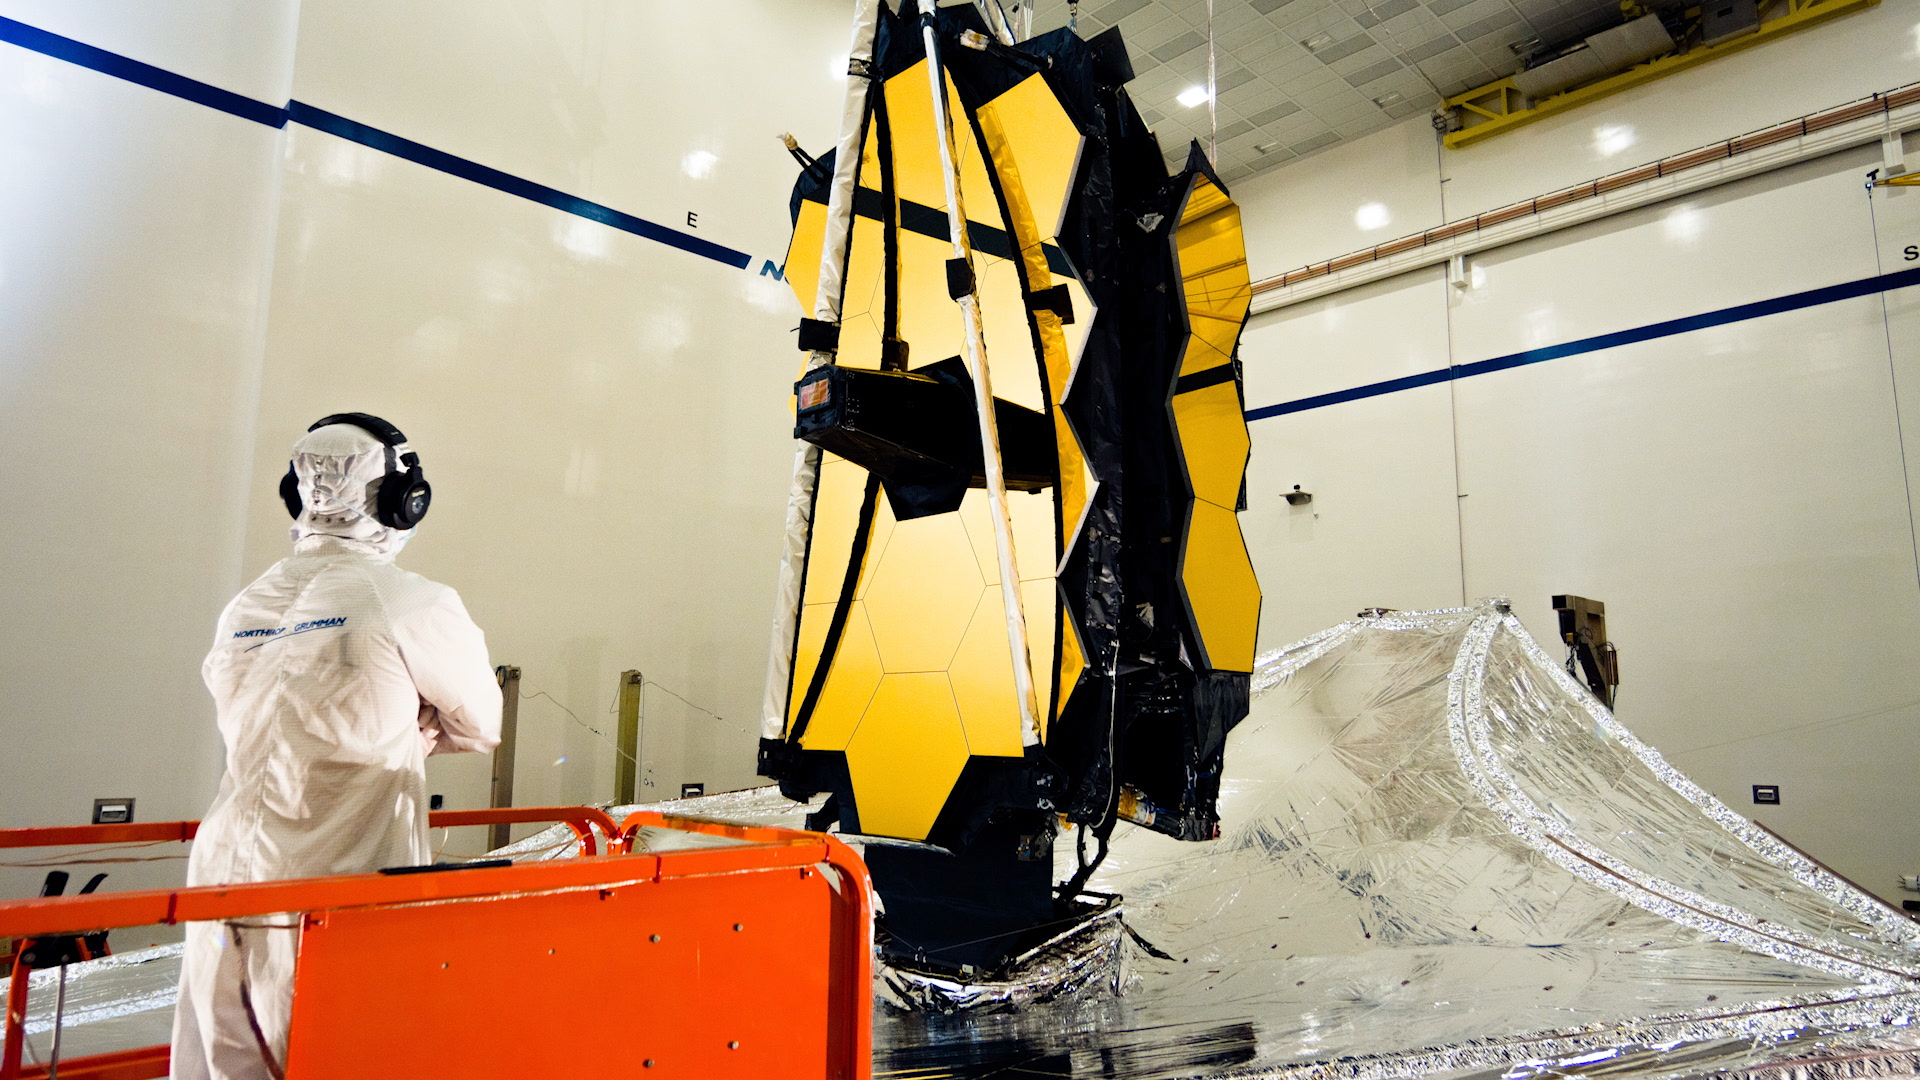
1213,92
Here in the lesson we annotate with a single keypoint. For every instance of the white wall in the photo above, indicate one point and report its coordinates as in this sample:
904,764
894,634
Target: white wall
603,416
135,230
1738,496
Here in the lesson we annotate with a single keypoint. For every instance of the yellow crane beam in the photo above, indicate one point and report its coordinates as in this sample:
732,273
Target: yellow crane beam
1498,107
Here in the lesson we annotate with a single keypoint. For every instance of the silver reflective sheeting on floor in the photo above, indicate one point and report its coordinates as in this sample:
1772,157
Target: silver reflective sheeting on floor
1438,856
113,1003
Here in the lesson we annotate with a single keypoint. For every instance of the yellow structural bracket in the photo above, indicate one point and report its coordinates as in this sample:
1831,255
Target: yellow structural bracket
1499,107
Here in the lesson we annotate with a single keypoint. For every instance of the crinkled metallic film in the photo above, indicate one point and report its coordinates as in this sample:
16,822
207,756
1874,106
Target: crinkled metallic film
1439,857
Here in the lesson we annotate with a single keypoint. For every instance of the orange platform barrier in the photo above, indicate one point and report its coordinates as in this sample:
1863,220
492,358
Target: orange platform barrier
751,959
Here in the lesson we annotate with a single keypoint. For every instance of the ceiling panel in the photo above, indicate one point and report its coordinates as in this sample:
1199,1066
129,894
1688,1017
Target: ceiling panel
1295,76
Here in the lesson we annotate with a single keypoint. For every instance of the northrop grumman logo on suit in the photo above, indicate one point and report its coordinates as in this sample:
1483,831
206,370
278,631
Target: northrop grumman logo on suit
271,633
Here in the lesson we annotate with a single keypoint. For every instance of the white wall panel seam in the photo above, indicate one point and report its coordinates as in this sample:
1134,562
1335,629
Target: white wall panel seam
1893,379
1453,395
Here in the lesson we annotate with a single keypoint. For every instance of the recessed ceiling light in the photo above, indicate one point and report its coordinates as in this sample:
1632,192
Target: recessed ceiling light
1318,42
1192,95
1384,100
1266,147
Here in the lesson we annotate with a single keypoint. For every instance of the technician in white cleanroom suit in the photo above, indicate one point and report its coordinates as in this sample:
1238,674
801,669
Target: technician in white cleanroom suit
334,676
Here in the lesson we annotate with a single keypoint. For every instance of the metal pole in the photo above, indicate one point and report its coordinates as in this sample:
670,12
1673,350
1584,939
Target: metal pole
826,308
626,768
1213,82
500,835
982,391
59,1014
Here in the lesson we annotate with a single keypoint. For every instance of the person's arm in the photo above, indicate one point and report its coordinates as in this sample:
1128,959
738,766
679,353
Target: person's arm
447,656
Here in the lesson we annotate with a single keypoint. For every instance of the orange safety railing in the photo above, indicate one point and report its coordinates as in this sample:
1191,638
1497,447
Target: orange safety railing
582,819
677,945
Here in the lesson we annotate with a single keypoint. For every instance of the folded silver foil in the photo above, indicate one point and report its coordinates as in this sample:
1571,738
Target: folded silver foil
1439,856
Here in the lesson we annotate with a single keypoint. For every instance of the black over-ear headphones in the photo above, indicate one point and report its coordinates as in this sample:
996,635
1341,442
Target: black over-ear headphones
404,495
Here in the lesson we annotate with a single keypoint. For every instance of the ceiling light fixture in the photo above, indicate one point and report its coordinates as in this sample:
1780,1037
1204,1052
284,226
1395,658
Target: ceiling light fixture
1385,100
1192,95
1318,42
1266,147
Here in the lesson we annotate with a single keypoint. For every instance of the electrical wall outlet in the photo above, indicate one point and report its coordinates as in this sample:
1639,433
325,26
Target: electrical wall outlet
1766,794
692,791
112,811
1910,882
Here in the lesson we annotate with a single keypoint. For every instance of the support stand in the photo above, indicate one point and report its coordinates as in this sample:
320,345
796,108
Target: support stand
626,767
501,796
1583,626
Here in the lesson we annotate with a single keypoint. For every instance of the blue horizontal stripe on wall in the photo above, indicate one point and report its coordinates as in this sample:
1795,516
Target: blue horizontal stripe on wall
1738,313
121,67
321,120
213,97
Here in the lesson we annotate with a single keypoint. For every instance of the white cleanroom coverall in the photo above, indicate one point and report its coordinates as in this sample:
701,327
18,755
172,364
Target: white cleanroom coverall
334,676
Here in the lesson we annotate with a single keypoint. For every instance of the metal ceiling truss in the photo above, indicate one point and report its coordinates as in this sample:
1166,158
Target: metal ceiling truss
1498,107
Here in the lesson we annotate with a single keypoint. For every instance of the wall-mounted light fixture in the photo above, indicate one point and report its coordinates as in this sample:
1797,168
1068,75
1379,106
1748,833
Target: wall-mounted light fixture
1458,275
1296,497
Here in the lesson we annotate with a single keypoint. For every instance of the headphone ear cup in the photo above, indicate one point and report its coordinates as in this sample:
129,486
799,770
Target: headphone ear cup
290,492
404,498
419,497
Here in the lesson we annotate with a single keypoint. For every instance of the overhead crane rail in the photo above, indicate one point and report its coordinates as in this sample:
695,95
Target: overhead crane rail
1486,111
1696,158
623,962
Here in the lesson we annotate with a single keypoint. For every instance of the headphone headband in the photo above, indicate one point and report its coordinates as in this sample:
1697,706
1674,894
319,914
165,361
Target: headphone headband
366,422
404,493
